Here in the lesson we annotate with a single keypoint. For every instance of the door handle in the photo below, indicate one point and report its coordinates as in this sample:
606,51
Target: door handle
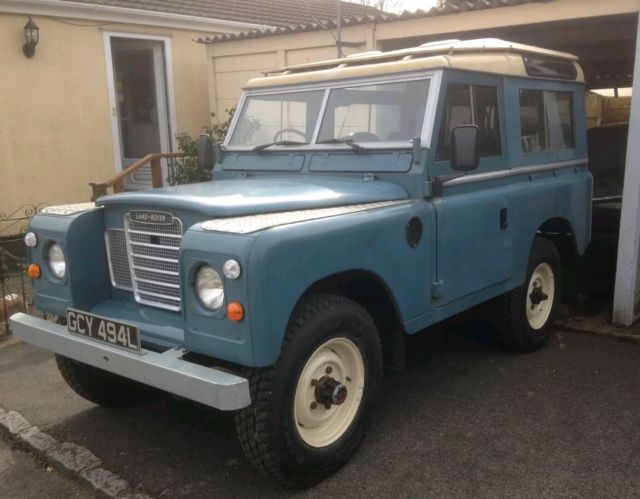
504,221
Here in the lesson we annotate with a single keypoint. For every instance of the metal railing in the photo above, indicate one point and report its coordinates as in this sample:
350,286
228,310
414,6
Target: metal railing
117,182
16,294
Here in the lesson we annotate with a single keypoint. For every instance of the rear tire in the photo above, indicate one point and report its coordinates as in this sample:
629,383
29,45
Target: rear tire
291,433
99,386
527,313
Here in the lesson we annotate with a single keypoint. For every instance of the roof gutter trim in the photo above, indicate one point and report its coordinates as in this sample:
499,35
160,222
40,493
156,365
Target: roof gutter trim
108,13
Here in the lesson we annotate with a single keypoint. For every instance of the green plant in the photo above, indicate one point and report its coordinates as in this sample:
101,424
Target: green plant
187,170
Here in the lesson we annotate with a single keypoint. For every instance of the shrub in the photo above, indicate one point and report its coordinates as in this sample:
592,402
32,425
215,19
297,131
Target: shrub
187,170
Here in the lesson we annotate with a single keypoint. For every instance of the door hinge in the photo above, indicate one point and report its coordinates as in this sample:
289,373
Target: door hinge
436,290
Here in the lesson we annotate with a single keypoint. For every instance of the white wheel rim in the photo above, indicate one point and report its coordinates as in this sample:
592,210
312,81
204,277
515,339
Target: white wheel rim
540,296
340,359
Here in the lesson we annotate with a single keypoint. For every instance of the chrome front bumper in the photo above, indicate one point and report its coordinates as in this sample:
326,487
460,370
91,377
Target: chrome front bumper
166,371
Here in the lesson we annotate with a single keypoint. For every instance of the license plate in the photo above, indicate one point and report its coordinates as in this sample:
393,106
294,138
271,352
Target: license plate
103,330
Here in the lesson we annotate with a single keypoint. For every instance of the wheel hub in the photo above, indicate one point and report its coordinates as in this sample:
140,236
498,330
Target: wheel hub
329,391
540,296
537,296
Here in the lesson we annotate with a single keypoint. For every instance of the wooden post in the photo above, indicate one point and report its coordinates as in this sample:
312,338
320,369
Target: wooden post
156,172
626,300
98,189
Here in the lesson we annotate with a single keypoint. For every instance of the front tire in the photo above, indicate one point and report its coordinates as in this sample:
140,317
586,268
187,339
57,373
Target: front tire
527,313
99,386
311,409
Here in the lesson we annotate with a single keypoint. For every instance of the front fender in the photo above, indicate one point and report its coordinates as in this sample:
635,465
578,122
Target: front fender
286,261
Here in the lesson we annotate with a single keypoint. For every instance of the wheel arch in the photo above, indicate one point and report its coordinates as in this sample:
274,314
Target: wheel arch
371,292
561,233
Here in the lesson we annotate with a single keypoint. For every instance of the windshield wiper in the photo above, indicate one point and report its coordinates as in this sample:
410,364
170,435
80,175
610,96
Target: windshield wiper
356,147
262,147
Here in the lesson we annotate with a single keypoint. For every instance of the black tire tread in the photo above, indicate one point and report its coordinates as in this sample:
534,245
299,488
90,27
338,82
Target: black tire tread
252,423
511,322
99,386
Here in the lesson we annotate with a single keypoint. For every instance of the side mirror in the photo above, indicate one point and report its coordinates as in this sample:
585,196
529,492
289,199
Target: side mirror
465,154
206,156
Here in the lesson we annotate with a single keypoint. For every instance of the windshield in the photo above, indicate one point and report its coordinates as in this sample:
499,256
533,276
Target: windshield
362,113
388,112
290,116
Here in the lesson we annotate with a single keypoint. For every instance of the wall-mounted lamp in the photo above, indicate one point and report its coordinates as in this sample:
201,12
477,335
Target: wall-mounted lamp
32,36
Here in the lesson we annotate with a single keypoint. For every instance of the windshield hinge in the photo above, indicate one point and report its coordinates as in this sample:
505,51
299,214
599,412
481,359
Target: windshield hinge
367,177
436,290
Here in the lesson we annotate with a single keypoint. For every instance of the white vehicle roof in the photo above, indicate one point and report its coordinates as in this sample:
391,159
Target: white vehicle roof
487,55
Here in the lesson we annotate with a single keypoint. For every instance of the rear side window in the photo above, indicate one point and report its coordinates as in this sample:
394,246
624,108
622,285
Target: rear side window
546,120
471,104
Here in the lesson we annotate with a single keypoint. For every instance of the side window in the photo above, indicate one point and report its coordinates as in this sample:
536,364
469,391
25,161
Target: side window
471,104
546,120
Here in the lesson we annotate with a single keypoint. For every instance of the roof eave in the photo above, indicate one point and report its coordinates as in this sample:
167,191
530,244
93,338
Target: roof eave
107,13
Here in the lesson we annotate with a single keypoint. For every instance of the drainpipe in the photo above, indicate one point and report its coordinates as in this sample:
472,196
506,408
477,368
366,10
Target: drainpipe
339,29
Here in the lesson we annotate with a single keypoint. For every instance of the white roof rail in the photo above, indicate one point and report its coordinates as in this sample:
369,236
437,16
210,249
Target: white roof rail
363,54
440,42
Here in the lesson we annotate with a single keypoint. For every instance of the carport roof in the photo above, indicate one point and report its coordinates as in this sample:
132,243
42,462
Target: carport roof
267,12
376,16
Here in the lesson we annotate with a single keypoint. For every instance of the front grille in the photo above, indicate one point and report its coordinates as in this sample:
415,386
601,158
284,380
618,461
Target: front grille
153,259
118,260
143,258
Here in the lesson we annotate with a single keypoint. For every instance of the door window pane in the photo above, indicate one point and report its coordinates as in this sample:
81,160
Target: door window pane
559,113
471,105
546,120
487,117
533,133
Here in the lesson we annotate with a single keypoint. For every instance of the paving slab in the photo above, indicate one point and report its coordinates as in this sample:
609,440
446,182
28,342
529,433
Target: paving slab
106,482
72,457
37,440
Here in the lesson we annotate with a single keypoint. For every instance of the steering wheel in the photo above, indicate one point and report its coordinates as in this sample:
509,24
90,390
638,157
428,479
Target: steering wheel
278,135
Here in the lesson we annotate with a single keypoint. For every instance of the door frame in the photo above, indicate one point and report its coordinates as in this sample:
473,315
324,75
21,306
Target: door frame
113,105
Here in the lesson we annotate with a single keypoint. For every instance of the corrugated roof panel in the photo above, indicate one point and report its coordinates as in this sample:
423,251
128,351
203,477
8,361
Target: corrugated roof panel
451,7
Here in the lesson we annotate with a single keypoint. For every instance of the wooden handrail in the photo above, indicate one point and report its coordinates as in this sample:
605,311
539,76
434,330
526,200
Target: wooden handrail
117,182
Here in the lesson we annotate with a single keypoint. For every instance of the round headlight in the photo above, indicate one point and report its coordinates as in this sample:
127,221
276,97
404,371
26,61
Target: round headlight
209,287
231,269
57,263
30,239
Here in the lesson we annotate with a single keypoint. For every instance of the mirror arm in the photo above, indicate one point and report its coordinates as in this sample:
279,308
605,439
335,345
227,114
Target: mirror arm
417,150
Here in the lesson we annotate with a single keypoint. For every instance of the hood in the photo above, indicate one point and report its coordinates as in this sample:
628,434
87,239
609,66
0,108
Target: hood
234,197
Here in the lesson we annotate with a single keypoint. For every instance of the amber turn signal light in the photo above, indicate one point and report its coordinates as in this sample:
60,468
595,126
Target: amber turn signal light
235,311
34,271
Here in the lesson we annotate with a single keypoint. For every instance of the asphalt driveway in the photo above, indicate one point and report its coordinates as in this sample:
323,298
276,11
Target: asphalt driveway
467,419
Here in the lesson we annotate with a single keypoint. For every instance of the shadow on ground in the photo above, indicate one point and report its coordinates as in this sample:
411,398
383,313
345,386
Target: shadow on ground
467,419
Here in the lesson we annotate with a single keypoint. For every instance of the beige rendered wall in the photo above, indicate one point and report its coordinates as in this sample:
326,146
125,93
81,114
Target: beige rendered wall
55,123
232,63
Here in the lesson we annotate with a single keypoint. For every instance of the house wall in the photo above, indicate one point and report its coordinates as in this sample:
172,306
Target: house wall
55,121
232,63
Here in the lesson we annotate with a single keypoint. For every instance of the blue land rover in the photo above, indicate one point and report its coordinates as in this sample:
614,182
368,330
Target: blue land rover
353,202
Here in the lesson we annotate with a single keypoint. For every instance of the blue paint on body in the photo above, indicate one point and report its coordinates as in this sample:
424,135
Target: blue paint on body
465,246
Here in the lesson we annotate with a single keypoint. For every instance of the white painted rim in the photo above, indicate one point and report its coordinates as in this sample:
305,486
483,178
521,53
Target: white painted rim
538,314
316,425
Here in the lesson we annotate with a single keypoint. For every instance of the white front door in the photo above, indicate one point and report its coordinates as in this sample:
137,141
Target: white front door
140,103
